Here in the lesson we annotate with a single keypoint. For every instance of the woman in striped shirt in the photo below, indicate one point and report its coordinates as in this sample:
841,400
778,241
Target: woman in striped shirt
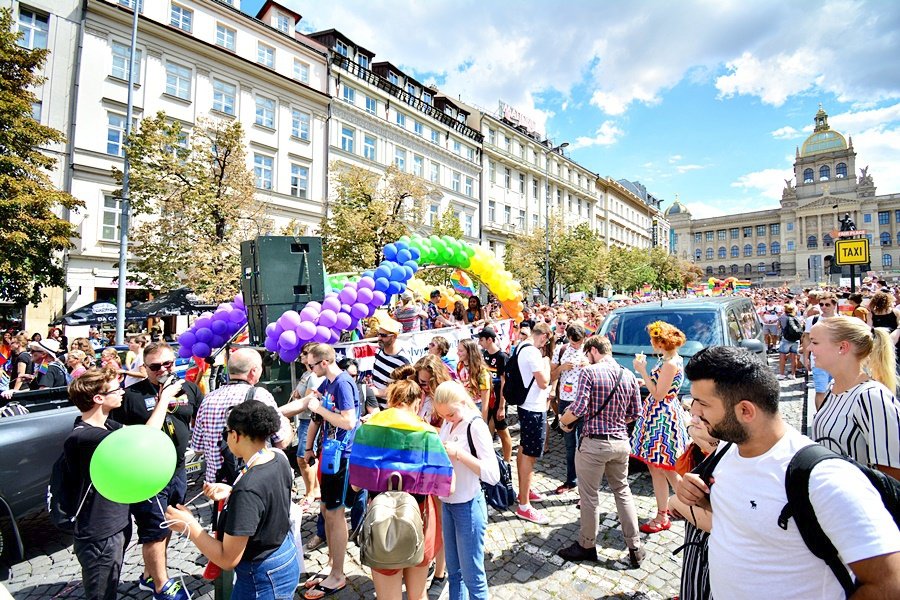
860,416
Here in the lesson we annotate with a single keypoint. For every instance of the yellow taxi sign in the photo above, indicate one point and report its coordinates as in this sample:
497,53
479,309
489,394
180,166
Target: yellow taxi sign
851,252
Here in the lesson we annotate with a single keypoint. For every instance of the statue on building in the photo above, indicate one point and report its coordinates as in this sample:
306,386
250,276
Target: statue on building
864,178
847,223
789,193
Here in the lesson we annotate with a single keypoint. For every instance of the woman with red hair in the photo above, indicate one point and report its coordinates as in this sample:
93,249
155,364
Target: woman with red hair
660,432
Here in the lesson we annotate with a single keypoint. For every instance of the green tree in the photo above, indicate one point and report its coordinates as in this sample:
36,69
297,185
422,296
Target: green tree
194,202
32,233
369,210
629,268
579,259
447,224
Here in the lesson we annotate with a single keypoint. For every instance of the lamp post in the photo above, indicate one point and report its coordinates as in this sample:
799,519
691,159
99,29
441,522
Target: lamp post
547,221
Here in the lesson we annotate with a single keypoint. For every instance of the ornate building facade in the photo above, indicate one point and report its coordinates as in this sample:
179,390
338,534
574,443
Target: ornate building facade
794,244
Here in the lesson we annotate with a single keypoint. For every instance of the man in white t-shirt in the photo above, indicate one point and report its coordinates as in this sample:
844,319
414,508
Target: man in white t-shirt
769,315
535,370
736,396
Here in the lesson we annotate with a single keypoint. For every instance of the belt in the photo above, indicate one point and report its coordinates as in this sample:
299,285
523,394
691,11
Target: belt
601,436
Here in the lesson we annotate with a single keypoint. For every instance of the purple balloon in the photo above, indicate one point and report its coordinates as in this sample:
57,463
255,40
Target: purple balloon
239,301
289,320
381,284
378,298
323,334
309,314
233,328
343,321
334,338
187,339
219,327
203,335
277,331
184,351
354,321
332,304
345,308
225,306
206,315
271,344
347,295
314,305
359,310
289,356
270,330
237,315
217,341
202,350
203,323
288,340
365,282
327,318
305,331
372,309
365,296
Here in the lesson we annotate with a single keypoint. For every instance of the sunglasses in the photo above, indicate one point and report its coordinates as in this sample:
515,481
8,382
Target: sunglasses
157,366
385,335
825,304
424,383
111,392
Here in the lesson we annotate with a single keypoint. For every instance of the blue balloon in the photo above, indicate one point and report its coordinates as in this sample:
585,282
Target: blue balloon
382,283
398,273
389,251
401,245
409,272
382,272
411,264
393,288
403,255
414,252
369,273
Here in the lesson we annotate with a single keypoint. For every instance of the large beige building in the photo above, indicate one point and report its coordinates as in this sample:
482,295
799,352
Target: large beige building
794,244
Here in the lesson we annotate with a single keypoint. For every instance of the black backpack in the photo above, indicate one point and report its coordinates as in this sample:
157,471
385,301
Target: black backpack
231,465
799,507
514,390
63,503
793,329
500,495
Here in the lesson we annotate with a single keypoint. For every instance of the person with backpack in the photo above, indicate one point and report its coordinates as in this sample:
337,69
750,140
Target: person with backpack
860,416
48,370
464,513
607,397
791,332
102,527
753,551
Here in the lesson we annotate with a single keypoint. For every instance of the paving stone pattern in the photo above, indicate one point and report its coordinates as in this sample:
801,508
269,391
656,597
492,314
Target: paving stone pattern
520,557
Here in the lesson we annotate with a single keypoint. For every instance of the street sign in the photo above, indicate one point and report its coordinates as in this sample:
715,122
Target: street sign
835,234
851,252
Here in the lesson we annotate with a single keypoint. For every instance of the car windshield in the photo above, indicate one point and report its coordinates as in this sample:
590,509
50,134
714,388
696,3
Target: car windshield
628,331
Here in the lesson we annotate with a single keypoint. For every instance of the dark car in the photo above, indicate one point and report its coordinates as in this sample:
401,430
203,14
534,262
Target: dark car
725,321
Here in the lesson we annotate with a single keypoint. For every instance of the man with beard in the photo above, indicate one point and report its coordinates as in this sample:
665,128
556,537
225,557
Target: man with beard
736,396
390,356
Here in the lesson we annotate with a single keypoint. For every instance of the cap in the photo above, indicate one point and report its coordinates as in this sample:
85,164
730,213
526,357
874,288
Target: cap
487,332
407,296
48,345
390,326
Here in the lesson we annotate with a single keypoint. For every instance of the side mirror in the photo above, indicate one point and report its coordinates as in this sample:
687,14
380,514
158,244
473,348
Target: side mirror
755,346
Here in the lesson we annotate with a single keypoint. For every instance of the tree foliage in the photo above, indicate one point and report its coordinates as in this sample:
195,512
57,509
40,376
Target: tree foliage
33,234
194,202
369,210
447,224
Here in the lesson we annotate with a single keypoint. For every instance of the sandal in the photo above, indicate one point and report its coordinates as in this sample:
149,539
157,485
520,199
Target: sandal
315,580
320,591
655,526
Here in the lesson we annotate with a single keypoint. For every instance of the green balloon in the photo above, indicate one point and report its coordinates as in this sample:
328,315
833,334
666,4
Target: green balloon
133,464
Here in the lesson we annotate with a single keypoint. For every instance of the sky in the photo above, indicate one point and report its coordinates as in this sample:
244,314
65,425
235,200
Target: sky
705,101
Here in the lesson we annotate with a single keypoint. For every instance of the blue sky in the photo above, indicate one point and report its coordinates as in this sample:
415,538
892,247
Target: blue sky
706,100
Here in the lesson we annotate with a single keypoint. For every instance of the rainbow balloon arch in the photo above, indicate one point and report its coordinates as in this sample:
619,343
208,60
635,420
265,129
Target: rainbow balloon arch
342,310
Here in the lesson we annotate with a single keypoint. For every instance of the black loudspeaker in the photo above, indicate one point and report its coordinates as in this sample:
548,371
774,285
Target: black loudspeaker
279,273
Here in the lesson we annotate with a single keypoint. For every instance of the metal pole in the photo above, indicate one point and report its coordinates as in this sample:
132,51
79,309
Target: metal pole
547,229
126,169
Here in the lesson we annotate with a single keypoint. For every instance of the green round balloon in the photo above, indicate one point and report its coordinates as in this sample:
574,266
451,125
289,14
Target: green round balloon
133,464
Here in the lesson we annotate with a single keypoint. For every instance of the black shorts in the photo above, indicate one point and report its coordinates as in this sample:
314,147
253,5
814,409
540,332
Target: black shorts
499,424
149,517
532,432
336,490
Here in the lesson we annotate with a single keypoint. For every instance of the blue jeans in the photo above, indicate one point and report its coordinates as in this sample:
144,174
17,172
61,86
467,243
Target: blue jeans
464,525
572,438
302,430
357,514
272,578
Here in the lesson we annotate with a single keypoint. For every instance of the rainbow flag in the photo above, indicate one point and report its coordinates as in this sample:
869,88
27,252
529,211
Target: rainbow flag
647,290
5,353
397,441
462,283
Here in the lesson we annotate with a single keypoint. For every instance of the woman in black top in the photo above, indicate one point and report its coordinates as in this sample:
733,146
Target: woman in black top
257,541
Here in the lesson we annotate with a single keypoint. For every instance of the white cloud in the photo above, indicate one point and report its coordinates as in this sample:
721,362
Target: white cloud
767,183
786,133
773,79
687,168
879,149
854,122
674,158
606,135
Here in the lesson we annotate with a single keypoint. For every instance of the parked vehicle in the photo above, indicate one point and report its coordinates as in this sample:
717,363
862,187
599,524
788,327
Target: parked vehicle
721,321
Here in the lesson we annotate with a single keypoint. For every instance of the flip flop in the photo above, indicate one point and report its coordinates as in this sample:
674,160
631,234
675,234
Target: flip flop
315,580
320,591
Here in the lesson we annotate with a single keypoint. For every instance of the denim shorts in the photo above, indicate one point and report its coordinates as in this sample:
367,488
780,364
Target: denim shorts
821,379
302,429
272,578
788,347
147,514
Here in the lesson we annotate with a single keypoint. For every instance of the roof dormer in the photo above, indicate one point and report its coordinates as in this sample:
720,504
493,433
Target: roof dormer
279,17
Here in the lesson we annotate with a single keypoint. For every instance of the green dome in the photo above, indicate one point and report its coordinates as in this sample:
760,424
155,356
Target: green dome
677,209
824,138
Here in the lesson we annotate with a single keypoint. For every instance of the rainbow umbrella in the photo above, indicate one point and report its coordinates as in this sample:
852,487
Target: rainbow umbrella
397,441
462,283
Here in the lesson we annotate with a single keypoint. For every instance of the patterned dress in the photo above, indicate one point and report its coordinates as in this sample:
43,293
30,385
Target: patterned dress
660,433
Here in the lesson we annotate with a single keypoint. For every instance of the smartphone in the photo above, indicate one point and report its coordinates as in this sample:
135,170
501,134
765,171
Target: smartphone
312,461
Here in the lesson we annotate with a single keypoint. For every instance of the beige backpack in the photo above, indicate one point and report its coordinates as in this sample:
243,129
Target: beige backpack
392,534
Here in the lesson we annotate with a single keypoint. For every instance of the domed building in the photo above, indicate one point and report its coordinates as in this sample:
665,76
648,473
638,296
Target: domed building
794,245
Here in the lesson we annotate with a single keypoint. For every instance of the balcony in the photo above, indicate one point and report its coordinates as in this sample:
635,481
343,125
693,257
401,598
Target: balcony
380,82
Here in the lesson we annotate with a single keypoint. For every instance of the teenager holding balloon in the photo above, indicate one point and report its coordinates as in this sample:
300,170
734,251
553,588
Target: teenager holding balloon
102,527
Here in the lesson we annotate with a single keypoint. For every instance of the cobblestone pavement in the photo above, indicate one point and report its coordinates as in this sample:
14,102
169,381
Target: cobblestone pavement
520,556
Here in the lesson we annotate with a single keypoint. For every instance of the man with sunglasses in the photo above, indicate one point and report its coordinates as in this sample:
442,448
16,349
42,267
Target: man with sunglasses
389,357
821,378
137,406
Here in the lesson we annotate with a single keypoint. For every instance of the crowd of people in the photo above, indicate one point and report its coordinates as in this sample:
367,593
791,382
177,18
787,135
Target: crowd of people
571,384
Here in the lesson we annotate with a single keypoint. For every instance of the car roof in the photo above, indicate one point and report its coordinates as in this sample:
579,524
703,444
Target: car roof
682,304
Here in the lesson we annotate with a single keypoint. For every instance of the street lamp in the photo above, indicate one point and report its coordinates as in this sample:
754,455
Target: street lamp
547,220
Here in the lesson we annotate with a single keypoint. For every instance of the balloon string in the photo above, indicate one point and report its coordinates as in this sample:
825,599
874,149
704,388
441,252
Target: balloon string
186,533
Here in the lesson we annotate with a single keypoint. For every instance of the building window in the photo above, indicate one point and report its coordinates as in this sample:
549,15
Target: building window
469,187
435,172
748,250
867,218
886,260
109,230
534,223
130,4
37,109
776,248
507,215
262,170
748,269
534,188
433,214
181,18
709,236
265,55
827,241
265,112
341,48
400,158
435,136
492,211
824,173
492,171
709,253
761,267
748,232
33,29
457,147
411,89
467,224
347,135
721,269
223,97
522,184
392,77
734,233
698,237
722,252
120,65
885,238
371,105
507,178
225,37
362,60
812,242
760,231
709,270
808,175
283,23
426,97
300,124
178,81
401,120
775,229
348,94
299,181
455,180
697,253
790,246
115,134
301,71
734,269
418,165
720,235
418,128
884,217
735,252
790,226
840,171
369,147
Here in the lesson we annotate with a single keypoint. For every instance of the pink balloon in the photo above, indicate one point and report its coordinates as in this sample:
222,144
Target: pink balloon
327,318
